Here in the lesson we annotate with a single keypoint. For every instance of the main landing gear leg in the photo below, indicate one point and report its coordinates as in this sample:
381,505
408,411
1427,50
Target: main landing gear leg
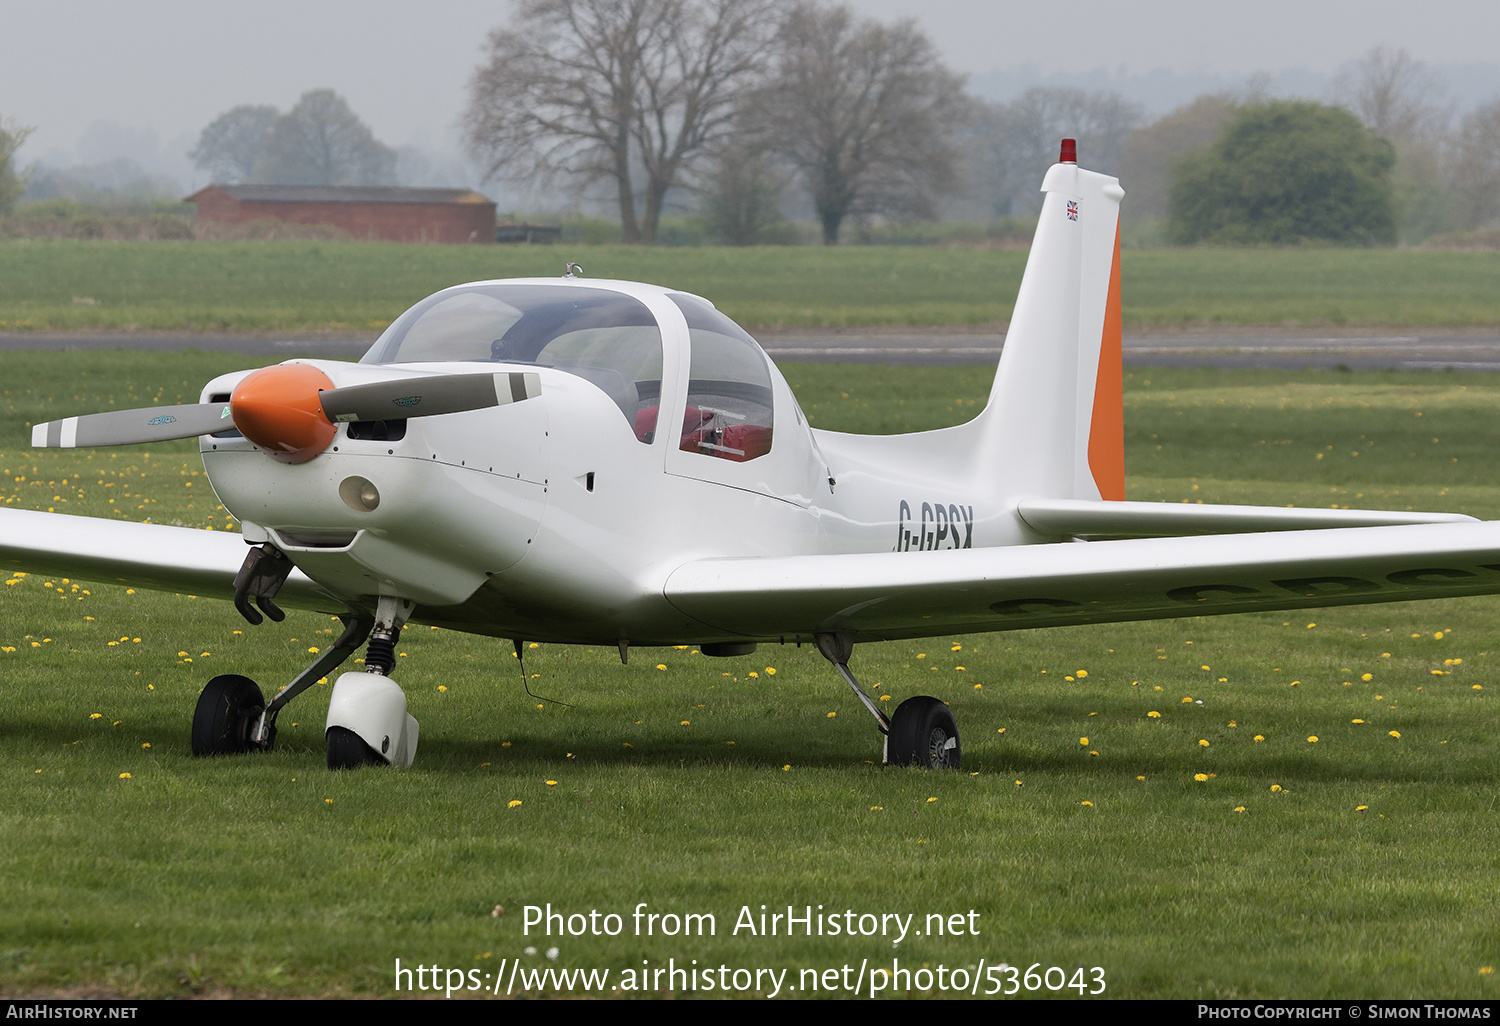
367,720
922,733
232,716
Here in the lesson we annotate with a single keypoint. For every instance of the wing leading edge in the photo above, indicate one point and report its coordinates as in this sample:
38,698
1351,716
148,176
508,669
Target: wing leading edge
924,594
154,556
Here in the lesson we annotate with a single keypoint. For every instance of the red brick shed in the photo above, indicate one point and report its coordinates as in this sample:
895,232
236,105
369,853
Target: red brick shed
366,212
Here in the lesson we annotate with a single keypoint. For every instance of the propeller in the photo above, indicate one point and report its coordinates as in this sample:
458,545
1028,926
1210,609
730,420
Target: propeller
291,410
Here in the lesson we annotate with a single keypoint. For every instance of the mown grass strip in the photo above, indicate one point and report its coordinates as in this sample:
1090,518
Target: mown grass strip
358,288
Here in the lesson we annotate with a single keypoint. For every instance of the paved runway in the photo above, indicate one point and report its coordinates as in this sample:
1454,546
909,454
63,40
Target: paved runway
1229,347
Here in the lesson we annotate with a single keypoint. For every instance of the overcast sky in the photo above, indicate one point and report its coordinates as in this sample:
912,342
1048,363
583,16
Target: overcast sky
95,76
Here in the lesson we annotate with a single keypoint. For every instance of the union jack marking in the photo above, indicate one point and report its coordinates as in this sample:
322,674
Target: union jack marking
1072,210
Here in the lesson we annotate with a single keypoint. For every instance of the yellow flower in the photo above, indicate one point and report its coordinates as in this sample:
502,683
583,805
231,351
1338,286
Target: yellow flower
877,808
1000,731
831,715
1361,808
686,722
146,744
1395,733
976,686
1478,687
442,687
932,799
786,767
1140,778
1153,714
752,673
1367,676
1200,777
1356,721
1089,804
1186,699
1312,739
885,698
313,650
1081,673
627,744
124,776
1233,724
551,783
771,671
1438,635
1275,787
1239,808
1083,740
95,716
661,666
327,801
1203,667
513,803
1202,742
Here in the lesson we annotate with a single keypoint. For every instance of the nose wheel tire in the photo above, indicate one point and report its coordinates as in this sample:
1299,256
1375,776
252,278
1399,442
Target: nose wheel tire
923,734
347,750
226,711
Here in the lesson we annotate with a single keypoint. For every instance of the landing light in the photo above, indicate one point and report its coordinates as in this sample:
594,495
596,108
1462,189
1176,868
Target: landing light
359,494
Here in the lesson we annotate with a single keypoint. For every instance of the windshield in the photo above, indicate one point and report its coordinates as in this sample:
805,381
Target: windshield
604,337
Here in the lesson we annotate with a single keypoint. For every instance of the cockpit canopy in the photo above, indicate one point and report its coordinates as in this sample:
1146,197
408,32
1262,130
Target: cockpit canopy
609,339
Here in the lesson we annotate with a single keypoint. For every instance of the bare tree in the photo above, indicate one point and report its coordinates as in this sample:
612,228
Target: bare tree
614,89
12,182
234,142
1151,153
1019,140
865,114
321,141
1393,94
1476,166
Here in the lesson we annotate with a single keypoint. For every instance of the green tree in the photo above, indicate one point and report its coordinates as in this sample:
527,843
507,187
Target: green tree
1284,172
740,196
321,141
12,182
235,142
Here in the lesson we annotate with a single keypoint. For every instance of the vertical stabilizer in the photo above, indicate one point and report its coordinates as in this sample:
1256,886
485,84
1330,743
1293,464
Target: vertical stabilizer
1054,427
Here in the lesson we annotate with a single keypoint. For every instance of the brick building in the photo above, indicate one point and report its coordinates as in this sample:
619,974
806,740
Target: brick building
365,212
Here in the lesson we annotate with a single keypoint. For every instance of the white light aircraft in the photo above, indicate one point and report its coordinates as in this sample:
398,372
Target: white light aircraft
611,463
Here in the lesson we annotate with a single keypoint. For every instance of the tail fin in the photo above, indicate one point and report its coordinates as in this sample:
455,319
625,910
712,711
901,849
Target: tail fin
1054,426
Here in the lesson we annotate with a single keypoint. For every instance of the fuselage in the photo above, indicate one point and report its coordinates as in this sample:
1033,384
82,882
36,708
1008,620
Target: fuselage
559,517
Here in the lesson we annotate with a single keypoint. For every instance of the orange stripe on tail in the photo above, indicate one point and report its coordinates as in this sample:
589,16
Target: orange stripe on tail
1107,429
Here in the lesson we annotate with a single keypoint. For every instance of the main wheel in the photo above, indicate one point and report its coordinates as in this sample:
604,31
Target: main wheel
227,709
923,734
347,750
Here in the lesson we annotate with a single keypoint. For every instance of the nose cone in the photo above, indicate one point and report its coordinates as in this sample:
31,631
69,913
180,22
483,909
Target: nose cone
278,409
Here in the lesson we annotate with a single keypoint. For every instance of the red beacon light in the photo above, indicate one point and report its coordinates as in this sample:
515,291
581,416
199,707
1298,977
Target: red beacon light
1069,152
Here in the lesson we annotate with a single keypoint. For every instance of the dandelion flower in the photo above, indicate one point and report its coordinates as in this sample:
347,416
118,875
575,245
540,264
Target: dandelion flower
831,715
686,722
1202,742
1356,721
1367,676
1239,808
1187,699
1478,687
124,776
442,687
1361,808
551,783
1000,731
770,671
1395,733
1200,777
752,673
786,767
513,803
661,666
1312,739
1154,715
1275,787
327,801
877,808
1088,803
95,716
1083,741
932,799
1080,673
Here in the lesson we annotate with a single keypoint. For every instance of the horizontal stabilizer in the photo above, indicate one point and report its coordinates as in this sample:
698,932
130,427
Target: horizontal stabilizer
1082,518
132,427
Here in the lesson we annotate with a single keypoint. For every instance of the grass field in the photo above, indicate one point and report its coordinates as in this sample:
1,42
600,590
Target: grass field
358,288
1359,864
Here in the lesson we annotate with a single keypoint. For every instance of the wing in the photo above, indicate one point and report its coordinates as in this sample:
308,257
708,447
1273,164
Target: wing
154,556
1085,518
923,594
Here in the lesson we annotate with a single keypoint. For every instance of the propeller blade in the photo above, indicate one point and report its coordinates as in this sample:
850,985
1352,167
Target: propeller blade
132,427
428,396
